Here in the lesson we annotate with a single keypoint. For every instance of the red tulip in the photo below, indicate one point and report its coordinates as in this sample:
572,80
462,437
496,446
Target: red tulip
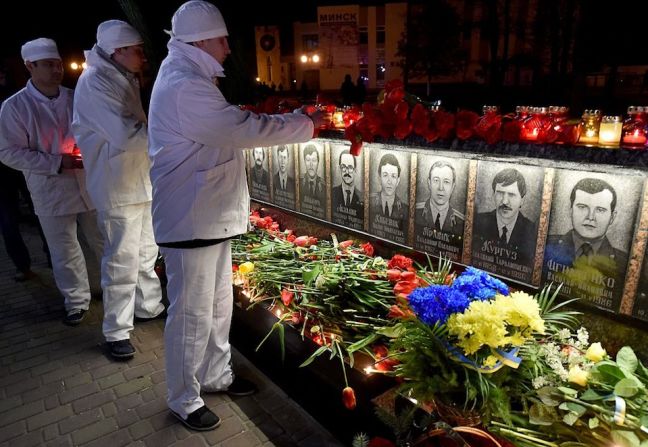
408,276
345,244
348,398
287,297
393,275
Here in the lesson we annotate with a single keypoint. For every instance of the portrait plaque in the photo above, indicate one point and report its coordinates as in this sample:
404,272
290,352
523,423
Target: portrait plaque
258,174
508,199
590,235
312,179
347,190
389,194
283,176
440,205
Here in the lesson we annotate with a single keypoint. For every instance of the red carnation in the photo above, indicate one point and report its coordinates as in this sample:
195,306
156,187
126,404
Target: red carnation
380,442
368,249
400,262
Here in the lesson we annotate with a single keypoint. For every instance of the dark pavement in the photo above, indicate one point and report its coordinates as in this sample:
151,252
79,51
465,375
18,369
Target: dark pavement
58,387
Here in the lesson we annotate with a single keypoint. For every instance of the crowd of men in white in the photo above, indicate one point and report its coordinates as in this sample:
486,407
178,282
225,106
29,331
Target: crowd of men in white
94,160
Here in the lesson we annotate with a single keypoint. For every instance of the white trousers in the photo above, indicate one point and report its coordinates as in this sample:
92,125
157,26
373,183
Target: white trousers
128,280
68,261
196,335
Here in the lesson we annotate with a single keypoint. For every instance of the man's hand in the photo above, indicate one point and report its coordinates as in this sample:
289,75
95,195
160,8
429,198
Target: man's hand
71,161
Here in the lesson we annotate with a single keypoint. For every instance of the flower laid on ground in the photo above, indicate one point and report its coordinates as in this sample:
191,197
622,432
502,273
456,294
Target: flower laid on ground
465,346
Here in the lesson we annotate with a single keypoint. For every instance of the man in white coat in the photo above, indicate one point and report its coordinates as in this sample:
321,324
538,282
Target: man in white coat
200,201
36,138
110,128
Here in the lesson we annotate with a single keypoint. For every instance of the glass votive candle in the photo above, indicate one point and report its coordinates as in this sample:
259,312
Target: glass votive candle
634,128
590,126
610,131
338,119
532,129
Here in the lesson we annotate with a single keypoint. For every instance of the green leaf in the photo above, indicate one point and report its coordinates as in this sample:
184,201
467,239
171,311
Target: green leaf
282,343
570,418
309,276
625,438
362,343
310,359
627,359
573,407
593,423
590,395
549,396
541,415
626,388
392,331
568,391
608,372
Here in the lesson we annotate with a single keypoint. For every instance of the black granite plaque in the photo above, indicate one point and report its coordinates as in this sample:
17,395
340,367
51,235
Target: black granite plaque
312,183
440,205
259,176
389,194
347,191
283,178
590,234
508,199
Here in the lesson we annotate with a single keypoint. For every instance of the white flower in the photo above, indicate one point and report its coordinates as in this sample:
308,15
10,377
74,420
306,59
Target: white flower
583,336
539,382
563,334
320,282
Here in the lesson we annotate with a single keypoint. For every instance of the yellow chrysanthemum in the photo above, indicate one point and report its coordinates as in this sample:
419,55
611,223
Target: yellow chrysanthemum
490,361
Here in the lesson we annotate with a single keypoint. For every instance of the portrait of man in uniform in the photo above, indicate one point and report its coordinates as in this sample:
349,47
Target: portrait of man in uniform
584,257
347,197
439,225
283,181
260,178
504,237
312,184
389,213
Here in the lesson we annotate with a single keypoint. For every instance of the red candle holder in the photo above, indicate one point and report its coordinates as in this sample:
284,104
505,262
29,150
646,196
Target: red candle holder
634,128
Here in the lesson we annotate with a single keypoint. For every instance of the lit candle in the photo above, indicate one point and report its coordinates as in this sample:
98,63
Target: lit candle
638,136
610,131
338,119
590,124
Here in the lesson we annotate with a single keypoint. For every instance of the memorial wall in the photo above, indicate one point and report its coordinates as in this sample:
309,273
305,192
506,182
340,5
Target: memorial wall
530,216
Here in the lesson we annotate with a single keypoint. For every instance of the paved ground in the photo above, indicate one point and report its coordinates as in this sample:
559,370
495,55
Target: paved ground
58,387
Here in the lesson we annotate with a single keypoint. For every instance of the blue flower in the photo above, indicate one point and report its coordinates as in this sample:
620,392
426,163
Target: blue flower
436,303
479,285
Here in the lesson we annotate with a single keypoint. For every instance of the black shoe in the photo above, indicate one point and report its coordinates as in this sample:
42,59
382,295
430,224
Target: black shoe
241,387
161,316
74,317
121,349
203,419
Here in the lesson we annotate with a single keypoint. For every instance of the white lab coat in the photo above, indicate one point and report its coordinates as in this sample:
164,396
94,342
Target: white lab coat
196,143
34,132
110,128
196,147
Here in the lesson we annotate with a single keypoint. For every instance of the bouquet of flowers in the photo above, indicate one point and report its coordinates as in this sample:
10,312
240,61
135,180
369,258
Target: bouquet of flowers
461,342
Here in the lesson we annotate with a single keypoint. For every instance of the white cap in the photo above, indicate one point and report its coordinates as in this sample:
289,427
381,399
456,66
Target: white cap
113,34
197,20
41,48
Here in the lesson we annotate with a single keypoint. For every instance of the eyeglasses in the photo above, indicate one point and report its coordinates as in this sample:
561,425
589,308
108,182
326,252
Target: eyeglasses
347,168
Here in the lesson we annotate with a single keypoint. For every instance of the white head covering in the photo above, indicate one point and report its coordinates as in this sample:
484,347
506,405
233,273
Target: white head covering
113,34
41,48
197,20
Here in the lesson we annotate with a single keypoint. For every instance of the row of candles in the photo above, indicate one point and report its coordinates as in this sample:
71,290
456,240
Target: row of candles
594,129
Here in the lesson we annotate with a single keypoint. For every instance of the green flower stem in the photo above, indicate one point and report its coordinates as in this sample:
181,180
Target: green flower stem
532,439
628,417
